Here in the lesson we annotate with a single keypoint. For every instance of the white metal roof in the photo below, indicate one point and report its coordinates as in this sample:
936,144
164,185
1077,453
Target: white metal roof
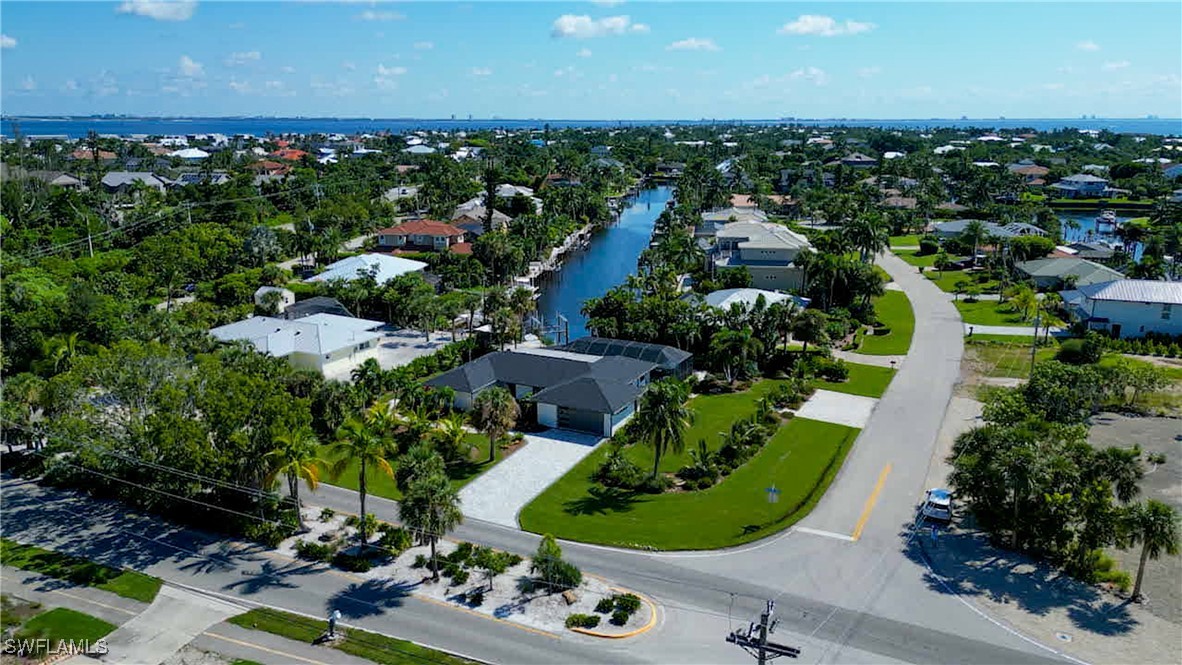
318,334
386,268
726,297
1135,290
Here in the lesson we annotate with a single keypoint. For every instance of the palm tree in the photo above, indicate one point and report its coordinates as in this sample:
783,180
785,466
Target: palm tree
451,438
1024,301
868,234
494,413
294,456
734,349
62,349
1153,525
369,378
974,232
431,508
810,327
663,418
367,443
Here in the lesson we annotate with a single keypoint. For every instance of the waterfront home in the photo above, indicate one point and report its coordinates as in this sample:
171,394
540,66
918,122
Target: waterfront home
668,169
189,154
669,360
1058,272
420,235
1081,186
315,305
953,229
330,344
87,155
202,178
471,220
1032,175
724,299
575,391
1128,307
58,179
768,252
1092,251
382,267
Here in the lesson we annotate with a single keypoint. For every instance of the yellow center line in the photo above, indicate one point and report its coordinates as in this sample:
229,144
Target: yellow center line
251,645
870,501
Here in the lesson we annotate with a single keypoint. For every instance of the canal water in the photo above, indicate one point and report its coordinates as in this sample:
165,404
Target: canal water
605,263
1087,231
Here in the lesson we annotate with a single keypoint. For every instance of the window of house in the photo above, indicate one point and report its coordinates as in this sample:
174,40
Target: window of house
1165,312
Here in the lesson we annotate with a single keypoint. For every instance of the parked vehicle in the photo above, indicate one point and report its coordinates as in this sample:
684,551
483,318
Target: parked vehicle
937,505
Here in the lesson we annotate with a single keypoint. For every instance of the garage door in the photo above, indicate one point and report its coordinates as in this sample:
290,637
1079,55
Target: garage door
578,419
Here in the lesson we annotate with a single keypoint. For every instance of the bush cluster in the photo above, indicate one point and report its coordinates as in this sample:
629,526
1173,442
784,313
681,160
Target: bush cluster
395,540
582,621
354,563
310,551
1152,344
621,606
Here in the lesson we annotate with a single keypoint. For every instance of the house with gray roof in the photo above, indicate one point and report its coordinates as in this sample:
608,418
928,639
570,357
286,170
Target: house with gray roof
1082,186
670,360
955,227
768,251
327,343
577,391
1056,272
1126,308
121,182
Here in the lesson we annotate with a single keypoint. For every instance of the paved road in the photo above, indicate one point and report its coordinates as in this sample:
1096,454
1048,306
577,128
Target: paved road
863,601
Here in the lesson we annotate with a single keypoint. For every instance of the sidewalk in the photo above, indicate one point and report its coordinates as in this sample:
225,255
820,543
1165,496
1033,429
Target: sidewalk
53,592
893,362
1017,331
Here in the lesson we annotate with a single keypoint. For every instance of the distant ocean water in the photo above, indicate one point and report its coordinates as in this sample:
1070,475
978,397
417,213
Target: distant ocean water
76,127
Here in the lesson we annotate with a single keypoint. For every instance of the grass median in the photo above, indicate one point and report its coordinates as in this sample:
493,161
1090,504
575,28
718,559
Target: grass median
60,625
800,460
379,484
126,583
893,310
864,380
363,644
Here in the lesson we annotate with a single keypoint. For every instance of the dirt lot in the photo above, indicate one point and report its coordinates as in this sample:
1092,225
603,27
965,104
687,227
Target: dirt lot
1162,482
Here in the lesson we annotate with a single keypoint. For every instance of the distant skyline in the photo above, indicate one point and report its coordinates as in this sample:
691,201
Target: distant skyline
591,60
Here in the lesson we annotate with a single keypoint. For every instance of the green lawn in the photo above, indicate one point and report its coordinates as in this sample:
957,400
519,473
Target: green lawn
948,280
126,583
993,313
63,624
1003,339
911,256
800,460
905,241
363,644
894,311
865,380
1172,373
1007,358
381,485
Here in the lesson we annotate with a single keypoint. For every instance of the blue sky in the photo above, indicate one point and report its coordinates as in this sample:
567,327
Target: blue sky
592,60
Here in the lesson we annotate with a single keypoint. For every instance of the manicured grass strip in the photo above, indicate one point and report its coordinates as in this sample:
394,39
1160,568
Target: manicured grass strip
894,311
948,280
993,313
905,241
382,485
126,583
1007,359
865,380
363,644
912,256
1173,373
801,460
1002,339
63,624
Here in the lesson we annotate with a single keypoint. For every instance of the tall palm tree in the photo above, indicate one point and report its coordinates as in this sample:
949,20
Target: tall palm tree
494,413
1024,301
431,508
663,418
734,349
294,456
974,232
867,234
810,327
62,349
367,443
1153,525
451,438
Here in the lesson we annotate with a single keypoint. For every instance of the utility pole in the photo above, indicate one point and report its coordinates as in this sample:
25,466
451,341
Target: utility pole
1034,343
754,639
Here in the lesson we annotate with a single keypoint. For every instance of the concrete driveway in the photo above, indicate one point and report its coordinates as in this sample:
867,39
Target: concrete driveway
832,407
502,491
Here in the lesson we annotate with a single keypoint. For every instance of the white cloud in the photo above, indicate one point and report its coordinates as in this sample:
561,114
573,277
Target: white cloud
348,66
7,42
188,67
612,78
481,71
391,71
240,87
287,69
29,84
70,85
387,77
607,3
565,71
816,76
1088,45
424,46
1113,66
648,67
693,44
867,72
242,58
585,27
584,53
374,15
160,10
824,26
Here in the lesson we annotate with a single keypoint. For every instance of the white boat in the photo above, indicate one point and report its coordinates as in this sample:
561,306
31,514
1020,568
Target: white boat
1106,218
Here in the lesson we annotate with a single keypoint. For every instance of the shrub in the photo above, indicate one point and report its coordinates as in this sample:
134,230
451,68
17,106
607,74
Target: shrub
268,534
476,598
371,522
352,562
396,540
310,551
421,561
831,370
327,514
582,621
459,577
927,247
705,482
461,554
654,484
618,471
606,605
629,602
551,570
1086,351
620,617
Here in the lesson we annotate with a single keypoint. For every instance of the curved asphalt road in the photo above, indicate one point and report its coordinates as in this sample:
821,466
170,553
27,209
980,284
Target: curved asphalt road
841,601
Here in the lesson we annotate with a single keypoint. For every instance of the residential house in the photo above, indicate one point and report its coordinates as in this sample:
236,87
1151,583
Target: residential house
189,154
1128,307
420,235
289,154
420,150
900,202
383,267
1032,175
601,150
669,169
724,299
59,179
576,391
87,155
857,160
122,182
1081,186
1057,272
315,305
714,220
202,178
768,251
953,229
669,360
1092,251
471,220
269,167
285,298
330,344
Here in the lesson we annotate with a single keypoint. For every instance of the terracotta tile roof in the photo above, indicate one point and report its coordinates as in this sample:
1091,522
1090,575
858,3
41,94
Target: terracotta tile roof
742,201
461,248
268,166
428,227
289,154
86,153
1032,170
